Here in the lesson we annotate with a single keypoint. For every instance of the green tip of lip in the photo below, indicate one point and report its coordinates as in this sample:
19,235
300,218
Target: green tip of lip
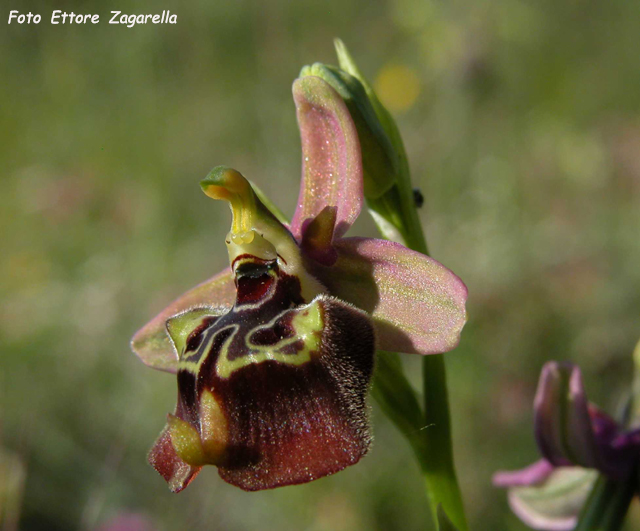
225,183
218,176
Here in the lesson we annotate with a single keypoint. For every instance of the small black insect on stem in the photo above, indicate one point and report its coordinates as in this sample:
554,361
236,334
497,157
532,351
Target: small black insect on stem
418,198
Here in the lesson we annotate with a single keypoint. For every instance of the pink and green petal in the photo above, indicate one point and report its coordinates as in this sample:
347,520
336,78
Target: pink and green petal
152,344
417,304
331,159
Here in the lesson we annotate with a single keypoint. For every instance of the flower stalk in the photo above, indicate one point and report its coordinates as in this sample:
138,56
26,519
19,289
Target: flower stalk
607,505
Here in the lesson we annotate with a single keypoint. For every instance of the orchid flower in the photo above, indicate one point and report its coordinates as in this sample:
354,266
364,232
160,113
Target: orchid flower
577,440
274,355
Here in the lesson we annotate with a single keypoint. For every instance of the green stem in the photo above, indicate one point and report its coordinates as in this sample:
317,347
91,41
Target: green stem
607,505
439,472
398,401
396,397
431,440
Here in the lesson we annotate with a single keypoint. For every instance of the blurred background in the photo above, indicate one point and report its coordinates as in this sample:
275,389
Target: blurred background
522,128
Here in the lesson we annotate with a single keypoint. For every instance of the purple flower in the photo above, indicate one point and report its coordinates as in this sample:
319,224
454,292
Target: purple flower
274,355
576,440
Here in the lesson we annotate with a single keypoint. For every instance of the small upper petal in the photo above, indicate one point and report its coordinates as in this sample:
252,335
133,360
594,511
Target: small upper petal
152,344
331,159
417,304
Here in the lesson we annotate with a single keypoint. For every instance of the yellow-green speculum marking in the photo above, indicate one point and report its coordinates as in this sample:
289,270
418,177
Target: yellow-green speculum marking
307,327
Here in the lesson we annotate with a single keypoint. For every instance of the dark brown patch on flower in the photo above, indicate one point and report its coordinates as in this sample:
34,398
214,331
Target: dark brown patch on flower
293,424
280,330
194,340
187,397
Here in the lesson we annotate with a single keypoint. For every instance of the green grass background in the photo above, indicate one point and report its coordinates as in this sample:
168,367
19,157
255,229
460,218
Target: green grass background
524,138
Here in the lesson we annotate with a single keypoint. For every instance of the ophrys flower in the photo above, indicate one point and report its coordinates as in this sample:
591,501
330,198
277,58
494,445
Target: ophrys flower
275,354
